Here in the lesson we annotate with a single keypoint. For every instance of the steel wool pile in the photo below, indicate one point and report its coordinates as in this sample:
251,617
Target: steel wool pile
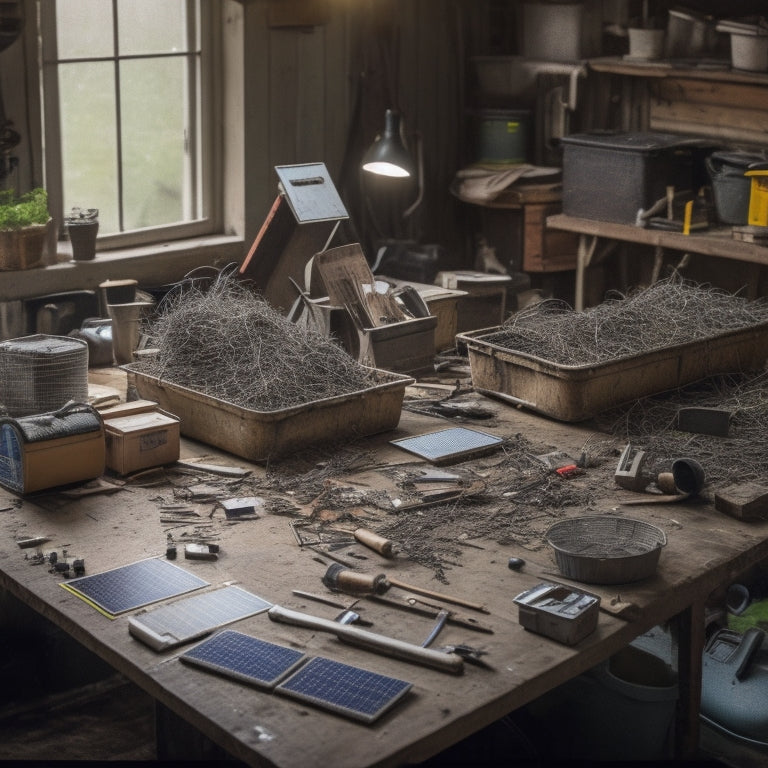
668,313
225,341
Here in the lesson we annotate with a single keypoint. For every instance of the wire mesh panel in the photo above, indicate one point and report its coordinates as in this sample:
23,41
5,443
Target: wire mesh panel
41,373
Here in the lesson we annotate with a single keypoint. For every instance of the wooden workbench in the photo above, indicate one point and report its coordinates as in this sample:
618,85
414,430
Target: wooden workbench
705,550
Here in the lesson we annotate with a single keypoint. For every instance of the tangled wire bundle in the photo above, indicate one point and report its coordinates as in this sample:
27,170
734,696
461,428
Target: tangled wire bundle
666,314
651,423
227,342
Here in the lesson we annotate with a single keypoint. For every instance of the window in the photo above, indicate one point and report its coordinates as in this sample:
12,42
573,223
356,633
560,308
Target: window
128,115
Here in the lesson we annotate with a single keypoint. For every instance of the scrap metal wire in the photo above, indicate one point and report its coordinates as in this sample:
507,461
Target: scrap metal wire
224,340
742,456
668,313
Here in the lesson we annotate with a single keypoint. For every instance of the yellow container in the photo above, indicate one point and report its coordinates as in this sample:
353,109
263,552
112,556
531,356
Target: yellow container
758,197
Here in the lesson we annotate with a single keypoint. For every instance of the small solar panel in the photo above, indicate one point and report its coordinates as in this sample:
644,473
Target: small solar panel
192,617
133,586
244,658
346,690
451,444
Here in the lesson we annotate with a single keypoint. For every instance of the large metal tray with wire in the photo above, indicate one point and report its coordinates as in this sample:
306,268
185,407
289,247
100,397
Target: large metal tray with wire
580,392
606,549
263,435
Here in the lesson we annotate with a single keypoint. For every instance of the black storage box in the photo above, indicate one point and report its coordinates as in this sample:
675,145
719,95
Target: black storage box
610,176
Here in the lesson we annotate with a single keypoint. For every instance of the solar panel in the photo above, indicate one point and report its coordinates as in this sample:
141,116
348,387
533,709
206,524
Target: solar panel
192,617
133,586
244,658
449,444
344,689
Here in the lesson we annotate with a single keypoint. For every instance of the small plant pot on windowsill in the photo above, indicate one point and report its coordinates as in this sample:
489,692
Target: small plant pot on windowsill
24,223
82,228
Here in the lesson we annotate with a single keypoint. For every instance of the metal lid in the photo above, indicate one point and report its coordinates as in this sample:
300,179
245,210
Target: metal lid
648,141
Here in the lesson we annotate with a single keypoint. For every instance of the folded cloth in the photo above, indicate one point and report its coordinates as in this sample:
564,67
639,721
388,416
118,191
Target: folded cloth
478,184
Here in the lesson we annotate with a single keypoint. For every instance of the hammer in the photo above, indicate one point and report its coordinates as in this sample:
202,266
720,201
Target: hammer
340,579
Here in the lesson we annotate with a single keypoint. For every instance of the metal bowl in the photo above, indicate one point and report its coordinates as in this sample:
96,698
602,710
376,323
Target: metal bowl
606,549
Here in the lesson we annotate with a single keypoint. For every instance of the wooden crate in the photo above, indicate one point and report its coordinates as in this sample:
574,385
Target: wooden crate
546,250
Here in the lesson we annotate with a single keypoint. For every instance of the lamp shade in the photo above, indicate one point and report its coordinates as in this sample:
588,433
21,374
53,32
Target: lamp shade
387,156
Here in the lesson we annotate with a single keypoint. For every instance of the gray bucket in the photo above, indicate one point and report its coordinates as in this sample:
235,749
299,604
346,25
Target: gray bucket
620,710
730,187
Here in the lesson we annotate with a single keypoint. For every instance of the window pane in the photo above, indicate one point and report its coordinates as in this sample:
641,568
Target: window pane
152,26
88,140
84,28
154,157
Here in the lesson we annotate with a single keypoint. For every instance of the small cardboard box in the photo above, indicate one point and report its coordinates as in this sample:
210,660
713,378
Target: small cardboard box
141,440
485,302
51,449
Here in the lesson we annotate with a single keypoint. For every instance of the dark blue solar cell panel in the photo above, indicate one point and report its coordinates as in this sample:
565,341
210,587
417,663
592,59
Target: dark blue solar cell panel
244,658
132,586
347,690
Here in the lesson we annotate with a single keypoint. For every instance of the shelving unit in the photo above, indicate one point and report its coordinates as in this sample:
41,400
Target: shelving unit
705,99
717,242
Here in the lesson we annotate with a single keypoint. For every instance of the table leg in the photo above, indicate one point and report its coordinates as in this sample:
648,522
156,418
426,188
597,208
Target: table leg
586,250
691,641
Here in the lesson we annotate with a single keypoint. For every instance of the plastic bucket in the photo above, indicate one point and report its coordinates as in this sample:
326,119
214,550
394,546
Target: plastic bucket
501,136
730,187
749,45
646,43
621,710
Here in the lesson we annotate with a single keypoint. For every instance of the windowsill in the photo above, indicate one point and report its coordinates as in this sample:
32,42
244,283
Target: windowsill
152,266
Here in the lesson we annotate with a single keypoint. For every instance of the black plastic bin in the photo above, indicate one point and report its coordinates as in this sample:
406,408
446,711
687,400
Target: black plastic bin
611,176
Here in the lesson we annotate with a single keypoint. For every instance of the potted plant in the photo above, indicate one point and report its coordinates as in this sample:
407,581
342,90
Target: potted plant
82,226
23,228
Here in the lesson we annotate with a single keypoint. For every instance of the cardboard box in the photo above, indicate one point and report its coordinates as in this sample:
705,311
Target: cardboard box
141,440
388,337
51,449
485,302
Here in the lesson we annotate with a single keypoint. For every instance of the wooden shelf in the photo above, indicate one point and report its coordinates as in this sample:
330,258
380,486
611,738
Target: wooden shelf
713,242
704,70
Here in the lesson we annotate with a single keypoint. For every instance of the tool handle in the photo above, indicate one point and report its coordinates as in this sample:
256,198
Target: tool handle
390,646
437,595
344,580
377,543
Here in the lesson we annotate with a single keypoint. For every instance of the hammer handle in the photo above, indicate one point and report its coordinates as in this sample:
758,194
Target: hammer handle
389,646
375,542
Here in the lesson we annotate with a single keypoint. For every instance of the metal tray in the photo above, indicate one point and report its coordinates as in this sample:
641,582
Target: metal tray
579,392
262,435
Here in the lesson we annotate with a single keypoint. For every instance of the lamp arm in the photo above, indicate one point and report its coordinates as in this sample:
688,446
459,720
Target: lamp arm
419,177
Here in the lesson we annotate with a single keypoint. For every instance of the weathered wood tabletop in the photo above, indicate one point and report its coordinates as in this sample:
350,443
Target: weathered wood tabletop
705,550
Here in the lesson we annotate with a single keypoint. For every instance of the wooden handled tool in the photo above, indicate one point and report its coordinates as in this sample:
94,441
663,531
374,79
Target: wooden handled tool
341,579
377,543
389,646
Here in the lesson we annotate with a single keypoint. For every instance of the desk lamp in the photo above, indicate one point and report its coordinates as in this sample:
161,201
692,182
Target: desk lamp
389,157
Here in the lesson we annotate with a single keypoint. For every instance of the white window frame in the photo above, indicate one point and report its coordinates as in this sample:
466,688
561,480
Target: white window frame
209,107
